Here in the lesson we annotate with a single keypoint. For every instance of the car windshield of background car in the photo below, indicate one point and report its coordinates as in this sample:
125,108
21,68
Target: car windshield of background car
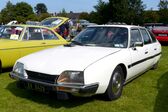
52,22
11,32
116,37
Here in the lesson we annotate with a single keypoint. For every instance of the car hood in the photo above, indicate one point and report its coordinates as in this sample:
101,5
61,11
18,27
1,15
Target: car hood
56,60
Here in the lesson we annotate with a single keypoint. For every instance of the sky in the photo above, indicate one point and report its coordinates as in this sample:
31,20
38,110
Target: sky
72,5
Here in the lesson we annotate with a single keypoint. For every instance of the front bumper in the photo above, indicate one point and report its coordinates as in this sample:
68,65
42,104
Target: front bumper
78,90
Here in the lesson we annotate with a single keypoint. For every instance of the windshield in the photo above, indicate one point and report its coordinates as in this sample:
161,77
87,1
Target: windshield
116,37
51,22
11,32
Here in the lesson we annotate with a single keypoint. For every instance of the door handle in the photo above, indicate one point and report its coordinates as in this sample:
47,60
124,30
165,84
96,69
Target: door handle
146,52
43,43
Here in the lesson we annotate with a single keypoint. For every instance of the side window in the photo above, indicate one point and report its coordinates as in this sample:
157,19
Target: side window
25,37
146,37
33,34
152,36
48,34
135,36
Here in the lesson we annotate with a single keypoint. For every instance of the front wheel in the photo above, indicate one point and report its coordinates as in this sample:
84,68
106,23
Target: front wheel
115,86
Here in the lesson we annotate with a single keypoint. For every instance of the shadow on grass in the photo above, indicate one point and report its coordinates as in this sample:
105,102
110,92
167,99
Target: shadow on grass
47,99
161,104
6,70
164,43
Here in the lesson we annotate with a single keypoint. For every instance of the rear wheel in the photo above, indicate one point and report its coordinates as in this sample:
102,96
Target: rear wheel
115,86
155,66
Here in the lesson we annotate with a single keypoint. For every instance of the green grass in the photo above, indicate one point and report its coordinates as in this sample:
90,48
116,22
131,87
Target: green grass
147,93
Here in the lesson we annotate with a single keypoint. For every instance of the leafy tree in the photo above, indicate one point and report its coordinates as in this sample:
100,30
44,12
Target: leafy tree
102,10
163,4
151,16
129,11
40,8
84,15
33,17
135,15
43,16
63,13
7,14
163,11
23,10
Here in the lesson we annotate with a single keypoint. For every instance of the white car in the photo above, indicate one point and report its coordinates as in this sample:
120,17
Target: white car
100,60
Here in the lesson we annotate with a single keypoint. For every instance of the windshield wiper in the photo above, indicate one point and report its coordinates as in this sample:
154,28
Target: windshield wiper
73,43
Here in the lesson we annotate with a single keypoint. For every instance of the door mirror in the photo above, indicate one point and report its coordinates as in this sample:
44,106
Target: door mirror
138,44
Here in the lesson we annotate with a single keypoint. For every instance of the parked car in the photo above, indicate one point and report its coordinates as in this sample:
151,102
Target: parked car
19,40
161,33
100,60
150,26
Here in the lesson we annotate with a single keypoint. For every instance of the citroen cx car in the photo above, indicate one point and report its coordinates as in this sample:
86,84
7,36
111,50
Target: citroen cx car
100,60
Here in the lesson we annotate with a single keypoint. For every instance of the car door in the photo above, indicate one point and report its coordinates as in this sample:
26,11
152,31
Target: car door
149,47
52,39
32,41
36,38
10,45
138,53
155,48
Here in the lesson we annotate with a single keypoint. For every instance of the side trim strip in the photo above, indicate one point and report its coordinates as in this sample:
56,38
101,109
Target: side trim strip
141,61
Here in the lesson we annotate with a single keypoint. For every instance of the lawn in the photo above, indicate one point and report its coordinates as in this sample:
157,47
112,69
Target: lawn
147,93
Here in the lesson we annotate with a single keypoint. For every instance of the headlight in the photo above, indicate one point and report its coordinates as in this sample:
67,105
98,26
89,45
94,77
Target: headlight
19,68
71,77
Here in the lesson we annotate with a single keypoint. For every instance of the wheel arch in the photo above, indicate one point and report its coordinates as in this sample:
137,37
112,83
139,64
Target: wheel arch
124,70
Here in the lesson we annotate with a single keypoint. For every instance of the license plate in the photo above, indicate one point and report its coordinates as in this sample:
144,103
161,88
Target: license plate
162,35
35,87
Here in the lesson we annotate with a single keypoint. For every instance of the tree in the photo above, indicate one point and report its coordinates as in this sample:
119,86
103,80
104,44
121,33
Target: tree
151,16
136,9
102,10
7,14
128,11
22,11
43,16
163,4
40,8
84,15
163,11
63,13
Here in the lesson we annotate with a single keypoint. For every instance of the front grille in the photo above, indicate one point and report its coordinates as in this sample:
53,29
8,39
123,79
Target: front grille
42,77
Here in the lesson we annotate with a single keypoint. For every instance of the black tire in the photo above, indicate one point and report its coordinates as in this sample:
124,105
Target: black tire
115,86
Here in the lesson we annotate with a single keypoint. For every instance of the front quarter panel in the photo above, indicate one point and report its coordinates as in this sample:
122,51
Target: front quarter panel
101,71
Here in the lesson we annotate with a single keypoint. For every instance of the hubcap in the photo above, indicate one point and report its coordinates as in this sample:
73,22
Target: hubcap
116,83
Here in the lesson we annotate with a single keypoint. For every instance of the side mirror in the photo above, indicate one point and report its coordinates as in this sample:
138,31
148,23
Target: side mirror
137,44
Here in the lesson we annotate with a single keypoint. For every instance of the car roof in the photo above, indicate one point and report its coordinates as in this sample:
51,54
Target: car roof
25,25
125,26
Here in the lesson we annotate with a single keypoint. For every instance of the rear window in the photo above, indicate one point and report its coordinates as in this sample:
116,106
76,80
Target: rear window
160,28
152,36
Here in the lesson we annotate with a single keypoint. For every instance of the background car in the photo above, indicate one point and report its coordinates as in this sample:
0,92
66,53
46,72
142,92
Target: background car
161,33
100,60
19,40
